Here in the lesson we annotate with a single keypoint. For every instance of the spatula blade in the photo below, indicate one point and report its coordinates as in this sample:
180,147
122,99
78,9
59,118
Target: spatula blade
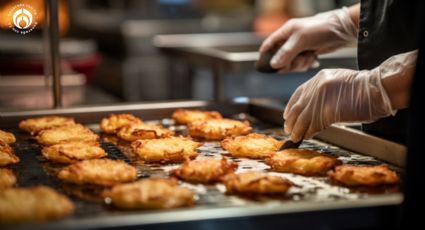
290,145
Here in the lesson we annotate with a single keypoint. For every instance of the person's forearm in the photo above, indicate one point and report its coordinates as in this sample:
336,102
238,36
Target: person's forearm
398,89
354,12
397,75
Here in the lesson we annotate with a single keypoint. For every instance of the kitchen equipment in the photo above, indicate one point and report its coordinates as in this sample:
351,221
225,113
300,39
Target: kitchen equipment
263,63
317,200
290,145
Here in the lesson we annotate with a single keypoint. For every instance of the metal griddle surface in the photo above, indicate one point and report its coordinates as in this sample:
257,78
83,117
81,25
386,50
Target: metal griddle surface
34,170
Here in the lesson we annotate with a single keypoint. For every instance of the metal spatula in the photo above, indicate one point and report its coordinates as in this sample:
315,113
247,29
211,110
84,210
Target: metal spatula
290,145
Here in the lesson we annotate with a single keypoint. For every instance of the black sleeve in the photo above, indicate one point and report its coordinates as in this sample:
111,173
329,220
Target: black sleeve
387,28
414,179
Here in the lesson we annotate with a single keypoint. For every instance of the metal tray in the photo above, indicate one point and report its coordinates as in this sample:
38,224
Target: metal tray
313,196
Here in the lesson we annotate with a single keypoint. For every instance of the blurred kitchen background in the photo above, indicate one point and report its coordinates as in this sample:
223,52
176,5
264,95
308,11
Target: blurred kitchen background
146,50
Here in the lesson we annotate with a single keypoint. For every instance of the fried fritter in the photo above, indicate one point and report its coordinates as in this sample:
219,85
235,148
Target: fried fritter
72,152
302,161
7,155
33,204
153,193
115,122
6,137
218,129
256,183
91,193
351,175
186,116
35,125
204,171
253,145
7,178
143,131
170,149
103,172
65,134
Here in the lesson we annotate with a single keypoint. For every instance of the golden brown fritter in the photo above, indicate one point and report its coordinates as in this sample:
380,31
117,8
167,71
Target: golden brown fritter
151,194
171,149
103,172
186,116
7,178
6,137
204,171
65,134
7,155
33,205
256,183
301,161
253,145
91,193
35,125
218,129
115,122
72,152
143,131
351,175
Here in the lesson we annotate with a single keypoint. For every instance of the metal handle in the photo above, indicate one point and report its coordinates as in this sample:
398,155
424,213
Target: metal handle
52,48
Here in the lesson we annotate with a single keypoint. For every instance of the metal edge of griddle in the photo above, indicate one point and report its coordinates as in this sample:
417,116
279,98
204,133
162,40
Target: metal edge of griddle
360,142
204,214
92,114
267,110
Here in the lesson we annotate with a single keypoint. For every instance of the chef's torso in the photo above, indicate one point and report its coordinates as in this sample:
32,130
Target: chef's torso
387,28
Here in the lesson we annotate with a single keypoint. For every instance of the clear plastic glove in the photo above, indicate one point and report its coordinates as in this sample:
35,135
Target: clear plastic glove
343,95
305,38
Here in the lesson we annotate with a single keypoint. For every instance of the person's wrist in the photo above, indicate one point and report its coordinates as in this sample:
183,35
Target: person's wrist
384,104
341,24
396,74
347,27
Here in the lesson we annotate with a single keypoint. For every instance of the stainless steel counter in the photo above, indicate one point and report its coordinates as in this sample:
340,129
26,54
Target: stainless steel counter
223,52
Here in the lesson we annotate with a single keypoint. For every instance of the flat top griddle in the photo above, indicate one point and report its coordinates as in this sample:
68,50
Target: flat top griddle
309,193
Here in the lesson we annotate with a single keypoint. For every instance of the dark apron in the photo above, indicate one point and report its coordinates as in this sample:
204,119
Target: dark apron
387,28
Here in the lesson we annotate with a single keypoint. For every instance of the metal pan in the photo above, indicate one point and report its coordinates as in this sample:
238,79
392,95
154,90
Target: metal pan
315,198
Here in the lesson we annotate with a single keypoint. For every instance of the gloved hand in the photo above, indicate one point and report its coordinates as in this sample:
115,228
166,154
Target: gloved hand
343,95
307,37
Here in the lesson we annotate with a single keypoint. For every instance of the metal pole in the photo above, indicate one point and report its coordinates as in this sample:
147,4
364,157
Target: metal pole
46,46
52,17
218,81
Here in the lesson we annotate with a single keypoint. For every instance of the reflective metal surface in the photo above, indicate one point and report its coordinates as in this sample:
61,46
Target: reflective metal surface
311,194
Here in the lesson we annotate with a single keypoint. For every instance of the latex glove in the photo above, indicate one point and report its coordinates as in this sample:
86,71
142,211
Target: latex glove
344,95
305,38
